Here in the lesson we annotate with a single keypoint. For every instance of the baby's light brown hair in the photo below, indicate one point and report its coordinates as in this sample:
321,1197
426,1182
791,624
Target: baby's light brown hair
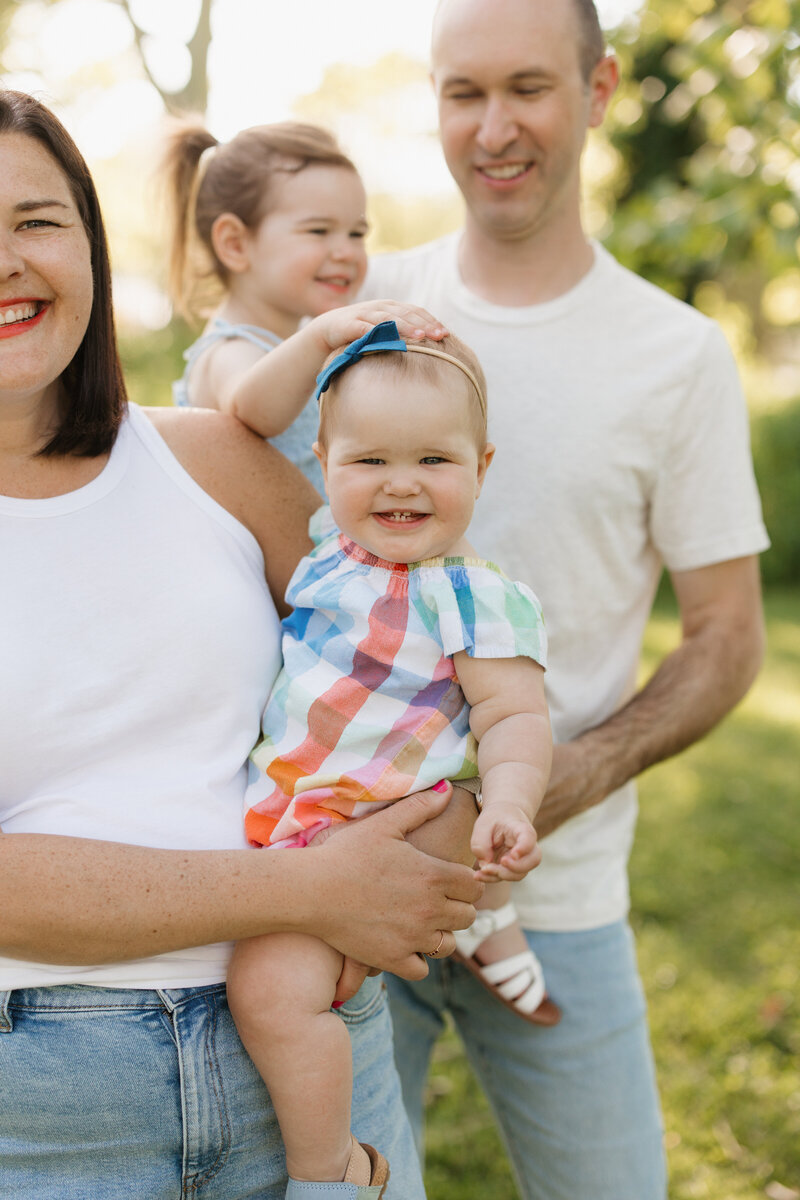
424,360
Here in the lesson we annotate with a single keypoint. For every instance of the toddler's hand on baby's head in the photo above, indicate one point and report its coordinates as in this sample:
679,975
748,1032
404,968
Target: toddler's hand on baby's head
504,843
341,326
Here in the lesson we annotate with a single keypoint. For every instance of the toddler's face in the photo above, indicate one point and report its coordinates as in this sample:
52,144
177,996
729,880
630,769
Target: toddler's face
402,466
307,256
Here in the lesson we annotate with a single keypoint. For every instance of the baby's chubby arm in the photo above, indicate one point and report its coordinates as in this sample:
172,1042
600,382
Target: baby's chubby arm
509,718
271,392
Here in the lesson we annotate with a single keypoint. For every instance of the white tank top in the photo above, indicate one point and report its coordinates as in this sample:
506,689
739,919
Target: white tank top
138,643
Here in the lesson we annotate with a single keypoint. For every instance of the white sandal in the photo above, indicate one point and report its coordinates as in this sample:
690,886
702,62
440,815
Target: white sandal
516,981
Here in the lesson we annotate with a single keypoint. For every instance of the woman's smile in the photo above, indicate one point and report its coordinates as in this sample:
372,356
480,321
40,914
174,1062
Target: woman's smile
46,285
17,316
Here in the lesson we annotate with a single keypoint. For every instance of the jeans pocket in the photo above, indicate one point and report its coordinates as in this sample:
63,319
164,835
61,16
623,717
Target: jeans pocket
368,1000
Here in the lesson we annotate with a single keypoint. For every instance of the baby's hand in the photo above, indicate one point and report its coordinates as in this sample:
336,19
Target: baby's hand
504,843
341,326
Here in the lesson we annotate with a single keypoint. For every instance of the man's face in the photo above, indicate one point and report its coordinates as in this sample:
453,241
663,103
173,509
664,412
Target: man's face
514,108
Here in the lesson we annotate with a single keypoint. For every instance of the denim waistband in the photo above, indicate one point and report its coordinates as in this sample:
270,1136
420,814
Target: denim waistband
83,997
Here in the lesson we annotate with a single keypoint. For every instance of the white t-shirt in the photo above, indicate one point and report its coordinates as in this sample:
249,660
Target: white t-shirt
622,444
138,643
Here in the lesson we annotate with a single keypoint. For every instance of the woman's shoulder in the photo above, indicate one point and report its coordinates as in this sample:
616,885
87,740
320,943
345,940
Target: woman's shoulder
247,476
212,446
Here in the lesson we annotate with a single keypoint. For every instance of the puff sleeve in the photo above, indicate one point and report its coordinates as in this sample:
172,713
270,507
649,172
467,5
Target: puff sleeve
476,608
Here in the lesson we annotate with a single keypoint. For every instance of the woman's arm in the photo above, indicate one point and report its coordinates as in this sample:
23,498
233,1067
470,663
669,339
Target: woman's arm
73,900
510,720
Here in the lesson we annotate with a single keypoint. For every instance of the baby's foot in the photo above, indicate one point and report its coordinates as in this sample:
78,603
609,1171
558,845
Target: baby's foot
500,944
497,953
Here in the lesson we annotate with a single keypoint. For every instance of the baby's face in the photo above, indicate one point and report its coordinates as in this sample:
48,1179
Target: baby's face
402,466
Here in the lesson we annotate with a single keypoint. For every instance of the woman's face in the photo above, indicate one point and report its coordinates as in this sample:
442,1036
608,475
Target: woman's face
45,273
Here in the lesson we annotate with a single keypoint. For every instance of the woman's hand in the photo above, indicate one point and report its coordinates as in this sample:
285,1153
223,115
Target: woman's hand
341,326
378,900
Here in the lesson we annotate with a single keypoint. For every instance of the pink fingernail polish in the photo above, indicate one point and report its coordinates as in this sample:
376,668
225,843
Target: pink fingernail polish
441,786
337,1004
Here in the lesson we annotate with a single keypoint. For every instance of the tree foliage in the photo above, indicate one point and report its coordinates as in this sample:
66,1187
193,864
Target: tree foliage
706,133
192,96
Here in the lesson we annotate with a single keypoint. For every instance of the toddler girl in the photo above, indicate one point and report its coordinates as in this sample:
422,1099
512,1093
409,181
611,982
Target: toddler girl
407,661
275,220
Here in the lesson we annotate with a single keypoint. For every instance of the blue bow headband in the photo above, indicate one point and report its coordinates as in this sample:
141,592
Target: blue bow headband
387,337
381,337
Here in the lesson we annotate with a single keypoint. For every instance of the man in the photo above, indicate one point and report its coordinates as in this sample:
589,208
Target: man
622,447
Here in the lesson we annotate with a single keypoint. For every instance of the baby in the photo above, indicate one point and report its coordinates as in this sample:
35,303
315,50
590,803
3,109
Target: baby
407,661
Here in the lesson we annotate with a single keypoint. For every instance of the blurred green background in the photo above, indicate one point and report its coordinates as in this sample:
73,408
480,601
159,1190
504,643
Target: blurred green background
694,182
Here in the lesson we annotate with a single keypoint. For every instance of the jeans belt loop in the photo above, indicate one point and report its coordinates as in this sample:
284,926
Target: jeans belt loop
6,1024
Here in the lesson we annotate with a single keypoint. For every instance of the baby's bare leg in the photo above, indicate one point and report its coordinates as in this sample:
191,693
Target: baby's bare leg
280,989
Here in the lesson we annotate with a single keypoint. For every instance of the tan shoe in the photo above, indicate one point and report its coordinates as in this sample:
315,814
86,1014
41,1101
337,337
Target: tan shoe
351,1188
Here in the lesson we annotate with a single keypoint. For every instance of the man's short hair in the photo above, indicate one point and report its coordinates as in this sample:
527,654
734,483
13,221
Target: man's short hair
592,43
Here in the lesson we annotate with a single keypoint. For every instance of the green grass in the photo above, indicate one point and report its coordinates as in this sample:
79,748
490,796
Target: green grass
715,879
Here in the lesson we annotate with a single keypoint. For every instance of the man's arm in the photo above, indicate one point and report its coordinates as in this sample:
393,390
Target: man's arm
721,650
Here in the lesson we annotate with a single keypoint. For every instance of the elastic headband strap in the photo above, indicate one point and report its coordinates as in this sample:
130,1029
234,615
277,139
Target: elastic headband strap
381,338
412,346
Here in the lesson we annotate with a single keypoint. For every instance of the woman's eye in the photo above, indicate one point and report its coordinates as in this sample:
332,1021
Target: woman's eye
36,223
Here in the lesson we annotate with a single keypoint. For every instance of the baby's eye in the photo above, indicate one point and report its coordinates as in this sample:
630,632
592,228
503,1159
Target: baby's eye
370,462
358,233
431,460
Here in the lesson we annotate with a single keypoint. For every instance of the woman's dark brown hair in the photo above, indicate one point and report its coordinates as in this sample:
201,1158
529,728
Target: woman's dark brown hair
205,178
93,391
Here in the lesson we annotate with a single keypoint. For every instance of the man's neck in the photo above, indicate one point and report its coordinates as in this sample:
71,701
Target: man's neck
530,270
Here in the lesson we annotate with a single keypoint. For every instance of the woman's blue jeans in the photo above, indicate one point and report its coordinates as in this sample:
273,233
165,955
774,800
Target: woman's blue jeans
106,1093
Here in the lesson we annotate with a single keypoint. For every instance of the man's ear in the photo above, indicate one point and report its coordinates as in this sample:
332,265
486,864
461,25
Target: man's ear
231,239
602,85
484,460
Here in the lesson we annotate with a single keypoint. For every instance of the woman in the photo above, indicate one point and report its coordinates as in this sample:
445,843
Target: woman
138,640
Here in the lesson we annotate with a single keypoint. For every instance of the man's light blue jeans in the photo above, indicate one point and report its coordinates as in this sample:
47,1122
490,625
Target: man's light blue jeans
576,1104
106,1093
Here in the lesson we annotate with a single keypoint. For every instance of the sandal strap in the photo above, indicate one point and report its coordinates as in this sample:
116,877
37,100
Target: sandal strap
518,979
487,922
298,1189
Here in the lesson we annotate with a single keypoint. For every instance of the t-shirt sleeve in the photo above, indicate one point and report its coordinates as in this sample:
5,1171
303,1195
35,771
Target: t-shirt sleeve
477,609
705,504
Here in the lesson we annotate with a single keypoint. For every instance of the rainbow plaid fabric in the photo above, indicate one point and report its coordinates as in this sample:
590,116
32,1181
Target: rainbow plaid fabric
368,708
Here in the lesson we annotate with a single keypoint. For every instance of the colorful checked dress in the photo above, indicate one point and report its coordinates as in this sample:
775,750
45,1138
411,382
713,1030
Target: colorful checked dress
368,708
